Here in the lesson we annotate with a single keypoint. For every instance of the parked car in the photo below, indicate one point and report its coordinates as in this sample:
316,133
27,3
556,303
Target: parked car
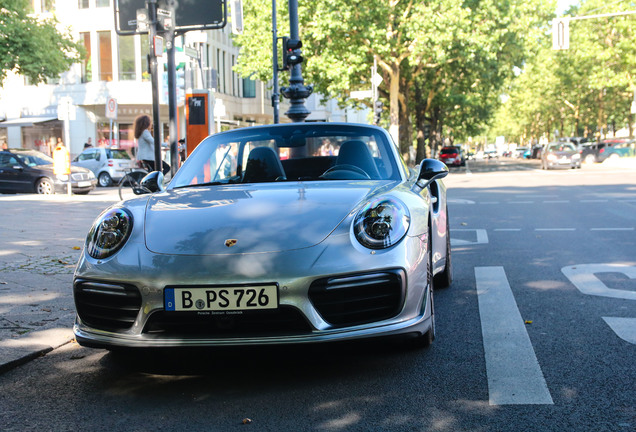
452,156
108,164
24,170
588,152
561,154
520,152
615,148
261,239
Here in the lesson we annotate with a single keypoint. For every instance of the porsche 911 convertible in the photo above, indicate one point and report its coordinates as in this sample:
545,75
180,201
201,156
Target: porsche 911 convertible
292,233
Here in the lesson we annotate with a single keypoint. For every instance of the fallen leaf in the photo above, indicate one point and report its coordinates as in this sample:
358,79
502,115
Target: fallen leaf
464,224
77,248
46,309
528,322
247,421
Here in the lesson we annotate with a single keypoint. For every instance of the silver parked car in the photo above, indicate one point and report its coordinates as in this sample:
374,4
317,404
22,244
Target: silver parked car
560,155
109,165
293,233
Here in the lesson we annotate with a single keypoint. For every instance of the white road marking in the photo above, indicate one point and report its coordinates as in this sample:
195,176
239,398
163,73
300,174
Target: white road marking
584,279
508,229
555,229
556,202
459,201
594,201
514,374
625,328
611,229
482,237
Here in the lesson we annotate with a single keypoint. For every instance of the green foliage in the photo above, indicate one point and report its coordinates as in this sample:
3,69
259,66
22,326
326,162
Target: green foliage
579,91
33,47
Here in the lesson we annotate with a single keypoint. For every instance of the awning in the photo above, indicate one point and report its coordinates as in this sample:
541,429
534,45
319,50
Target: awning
26,121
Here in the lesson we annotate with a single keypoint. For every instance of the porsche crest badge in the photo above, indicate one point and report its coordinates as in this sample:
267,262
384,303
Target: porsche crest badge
230,242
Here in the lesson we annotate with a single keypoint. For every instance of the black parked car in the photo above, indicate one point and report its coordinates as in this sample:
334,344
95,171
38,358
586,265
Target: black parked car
23,170
608,149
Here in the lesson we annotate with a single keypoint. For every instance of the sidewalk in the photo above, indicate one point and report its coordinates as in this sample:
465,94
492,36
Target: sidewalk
41,238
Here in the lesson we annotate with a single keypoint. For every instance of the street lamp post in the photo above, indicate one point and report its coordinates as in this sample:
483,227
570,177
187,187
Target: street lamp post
297,91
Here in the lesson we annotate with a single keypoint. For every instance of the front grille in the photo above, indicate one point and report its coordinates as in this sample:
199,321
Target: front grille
109,306
80,176
359,298
284,321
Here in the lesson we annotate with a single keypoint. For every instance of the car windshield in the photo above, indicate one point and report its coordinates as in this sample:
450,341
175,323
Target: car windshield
117,154
291,153
34,158
448,150
561,147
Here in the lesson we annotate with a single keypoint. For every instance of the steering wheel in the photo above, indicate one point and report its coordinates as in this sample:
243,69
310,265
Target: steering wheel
358,173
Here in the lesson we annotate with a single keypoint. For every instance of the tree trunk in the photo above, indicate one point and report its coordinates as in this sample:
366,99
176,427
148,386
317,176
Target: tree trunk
394,103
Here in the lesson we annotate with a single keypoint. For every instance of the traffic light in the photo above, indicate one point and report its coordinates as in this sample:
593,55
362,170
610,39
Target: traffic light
291,53
377,111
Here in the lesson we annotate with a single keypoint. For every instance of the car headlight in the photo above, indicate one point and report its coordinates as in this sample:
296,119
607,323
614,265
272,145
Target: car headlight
109,233
551,157
381,223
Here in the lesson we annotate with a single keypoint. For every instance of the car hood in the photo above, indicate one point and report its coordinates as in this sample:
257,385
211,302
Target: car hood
246,219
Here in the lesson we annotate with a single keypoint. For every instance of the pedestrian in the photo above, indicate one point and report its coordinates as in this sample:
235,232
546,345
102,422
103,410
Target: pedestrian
89,143
146,143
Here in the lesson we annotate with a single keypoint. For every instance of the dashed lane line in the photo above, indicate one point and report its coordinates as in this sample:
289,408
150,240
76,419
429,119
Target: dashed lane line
514,374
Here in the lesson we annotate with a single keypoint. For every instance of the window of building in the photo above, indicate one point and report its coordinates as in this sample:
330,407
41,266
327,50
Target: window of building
126,58
105,56
82,4
145,49
102,3
249,88
87,66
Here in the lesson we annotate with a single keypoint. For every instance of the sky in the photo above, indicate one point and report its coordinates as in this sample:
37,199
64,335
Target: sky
563,5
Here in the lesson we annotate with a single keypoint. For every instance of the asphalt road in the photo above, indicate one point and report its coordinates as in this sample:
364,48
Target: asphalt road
537,333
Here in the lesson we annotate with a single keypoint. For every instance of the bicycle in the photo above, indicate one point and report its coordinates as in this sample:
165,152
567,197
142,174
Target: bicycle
130,184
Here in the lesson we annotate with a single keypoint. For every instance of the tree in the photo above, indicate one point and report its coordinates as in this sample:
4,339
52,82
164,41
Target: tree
445,53
31,46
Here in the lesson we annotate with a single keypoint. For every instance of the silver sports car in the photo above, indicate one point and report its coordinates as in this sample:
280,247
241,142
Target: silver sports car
294,233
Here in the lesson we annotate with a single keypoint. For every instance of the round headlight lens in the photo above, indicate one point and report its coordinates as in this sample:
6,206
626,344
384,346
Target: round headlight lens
381,223
109,233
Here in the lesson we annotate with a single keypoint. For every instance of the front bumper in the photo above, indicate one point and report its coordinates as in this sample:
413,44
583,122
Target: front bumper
295,272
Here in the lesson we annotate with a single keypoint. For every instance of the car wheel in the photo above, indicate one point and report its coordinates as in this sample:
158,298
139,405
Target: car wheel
613,156
445,278
104,180
44,186
590,159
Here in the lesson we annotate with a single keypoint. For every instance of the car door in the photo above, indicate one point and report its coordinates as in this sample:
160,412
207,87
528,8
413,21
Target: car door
14,176
89,159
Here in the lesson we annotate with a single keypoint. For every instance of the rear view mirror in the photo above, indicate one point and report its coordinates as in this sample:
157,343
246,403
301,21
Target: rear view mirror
430,169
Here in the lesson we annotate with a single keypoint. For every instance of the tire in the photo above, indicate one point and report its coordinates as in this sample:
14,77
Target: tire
590,159
445,278
104,179
44,186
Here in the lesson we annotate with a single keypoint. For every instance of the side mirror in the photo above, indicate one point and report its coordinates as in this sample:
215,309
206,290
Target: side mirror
152,182
430,169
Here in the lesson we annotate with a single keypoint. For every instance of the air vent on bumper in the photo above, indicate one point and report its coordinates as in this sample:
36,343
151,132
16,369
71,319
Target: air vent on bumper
359,298
109,306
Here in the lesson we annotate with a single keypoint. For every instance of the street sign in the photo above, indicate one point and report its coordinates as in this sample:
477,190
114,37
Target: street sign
111,108
376,80
188,15
561,34
191,52
65,109
362,94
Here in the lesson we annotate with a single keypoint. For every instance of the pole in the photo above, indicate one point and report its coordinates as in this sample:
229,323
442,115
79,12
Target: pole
172,102
67,140
275,95
152,35
297,91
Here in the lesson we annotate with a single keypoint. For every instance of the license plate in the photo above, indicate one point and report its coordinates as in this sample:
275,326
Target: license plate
202,299
83,184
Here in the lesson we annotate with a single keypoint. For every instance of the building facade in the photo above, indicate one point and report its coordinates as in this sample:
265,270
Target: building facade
116,67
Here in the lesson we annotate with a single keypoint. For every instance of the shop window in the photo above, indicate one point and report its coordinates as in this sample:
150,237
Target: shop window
87,65
105,56
82,4
126,58
102,3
